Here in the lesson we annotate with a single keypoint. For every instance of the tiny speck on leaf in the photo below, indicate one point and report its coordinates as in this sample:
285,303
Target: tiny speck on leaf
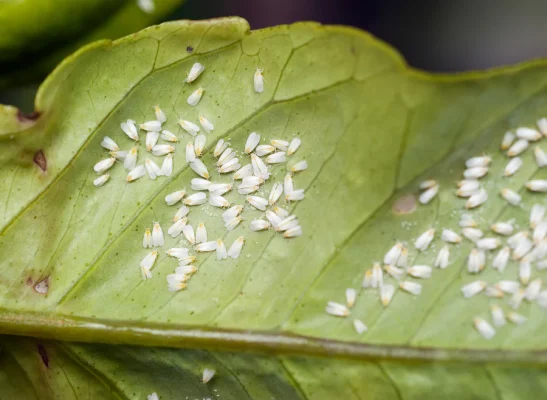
189,49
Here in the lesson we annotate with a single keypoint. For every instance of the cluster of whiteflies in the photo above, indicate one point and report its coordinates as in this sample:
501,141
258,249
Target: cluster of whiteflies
395,267
154,133
252,176
523,247
130,157
527,247
514,144
477,168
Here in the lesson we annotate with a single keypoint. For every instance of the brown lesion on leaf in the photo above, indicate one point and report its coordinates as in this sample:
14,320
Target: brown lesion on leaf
405,205
42,287
22,117
40,160
43,354
29,281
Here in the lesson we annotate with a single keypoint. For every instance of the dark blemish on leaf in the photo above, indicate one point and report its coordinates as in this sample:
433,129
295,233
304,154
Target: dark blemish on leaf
22,117
42,287
29,281
43,353
189,49
404,205
40,160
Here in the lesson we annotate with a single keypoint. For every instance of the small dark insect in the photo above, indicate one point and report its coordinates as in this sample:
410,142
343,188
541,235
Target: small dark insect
189,49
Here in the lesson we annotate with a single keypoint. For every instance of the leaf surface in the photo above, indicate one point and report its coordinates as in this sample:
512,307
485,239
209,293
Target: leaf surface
371,129
105,371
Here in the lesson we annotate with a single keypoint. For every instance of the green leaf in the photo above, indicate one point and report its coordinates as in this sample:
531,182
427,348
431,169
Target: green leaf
371,128
48,31
102,371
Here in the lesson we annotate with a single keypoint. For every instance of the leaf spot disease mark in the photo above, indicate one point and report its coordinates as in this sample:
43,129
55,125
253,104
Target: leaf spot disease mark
22,117
405,205
42,287
40,160
43,354
189,49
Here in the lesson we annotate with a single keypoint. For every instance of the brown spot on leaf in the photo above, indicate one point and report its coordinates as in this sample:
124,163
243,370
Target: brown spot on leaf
404,205
189,49
43,354
42,287
29,281
22,117
40,160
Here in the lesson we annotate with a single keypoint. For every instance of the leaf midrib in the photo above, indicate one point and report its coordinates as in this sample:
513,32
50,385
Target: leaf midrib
69,328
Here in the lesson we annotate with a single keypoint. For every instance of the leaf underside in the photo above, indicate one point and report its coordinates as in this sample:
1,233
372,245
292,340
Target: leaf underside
371,129
31,369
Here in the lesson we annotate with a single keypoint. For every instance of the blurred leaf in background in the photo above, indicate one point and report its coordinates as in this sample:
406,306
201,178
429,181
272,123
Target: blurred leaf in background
37,369
35,35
